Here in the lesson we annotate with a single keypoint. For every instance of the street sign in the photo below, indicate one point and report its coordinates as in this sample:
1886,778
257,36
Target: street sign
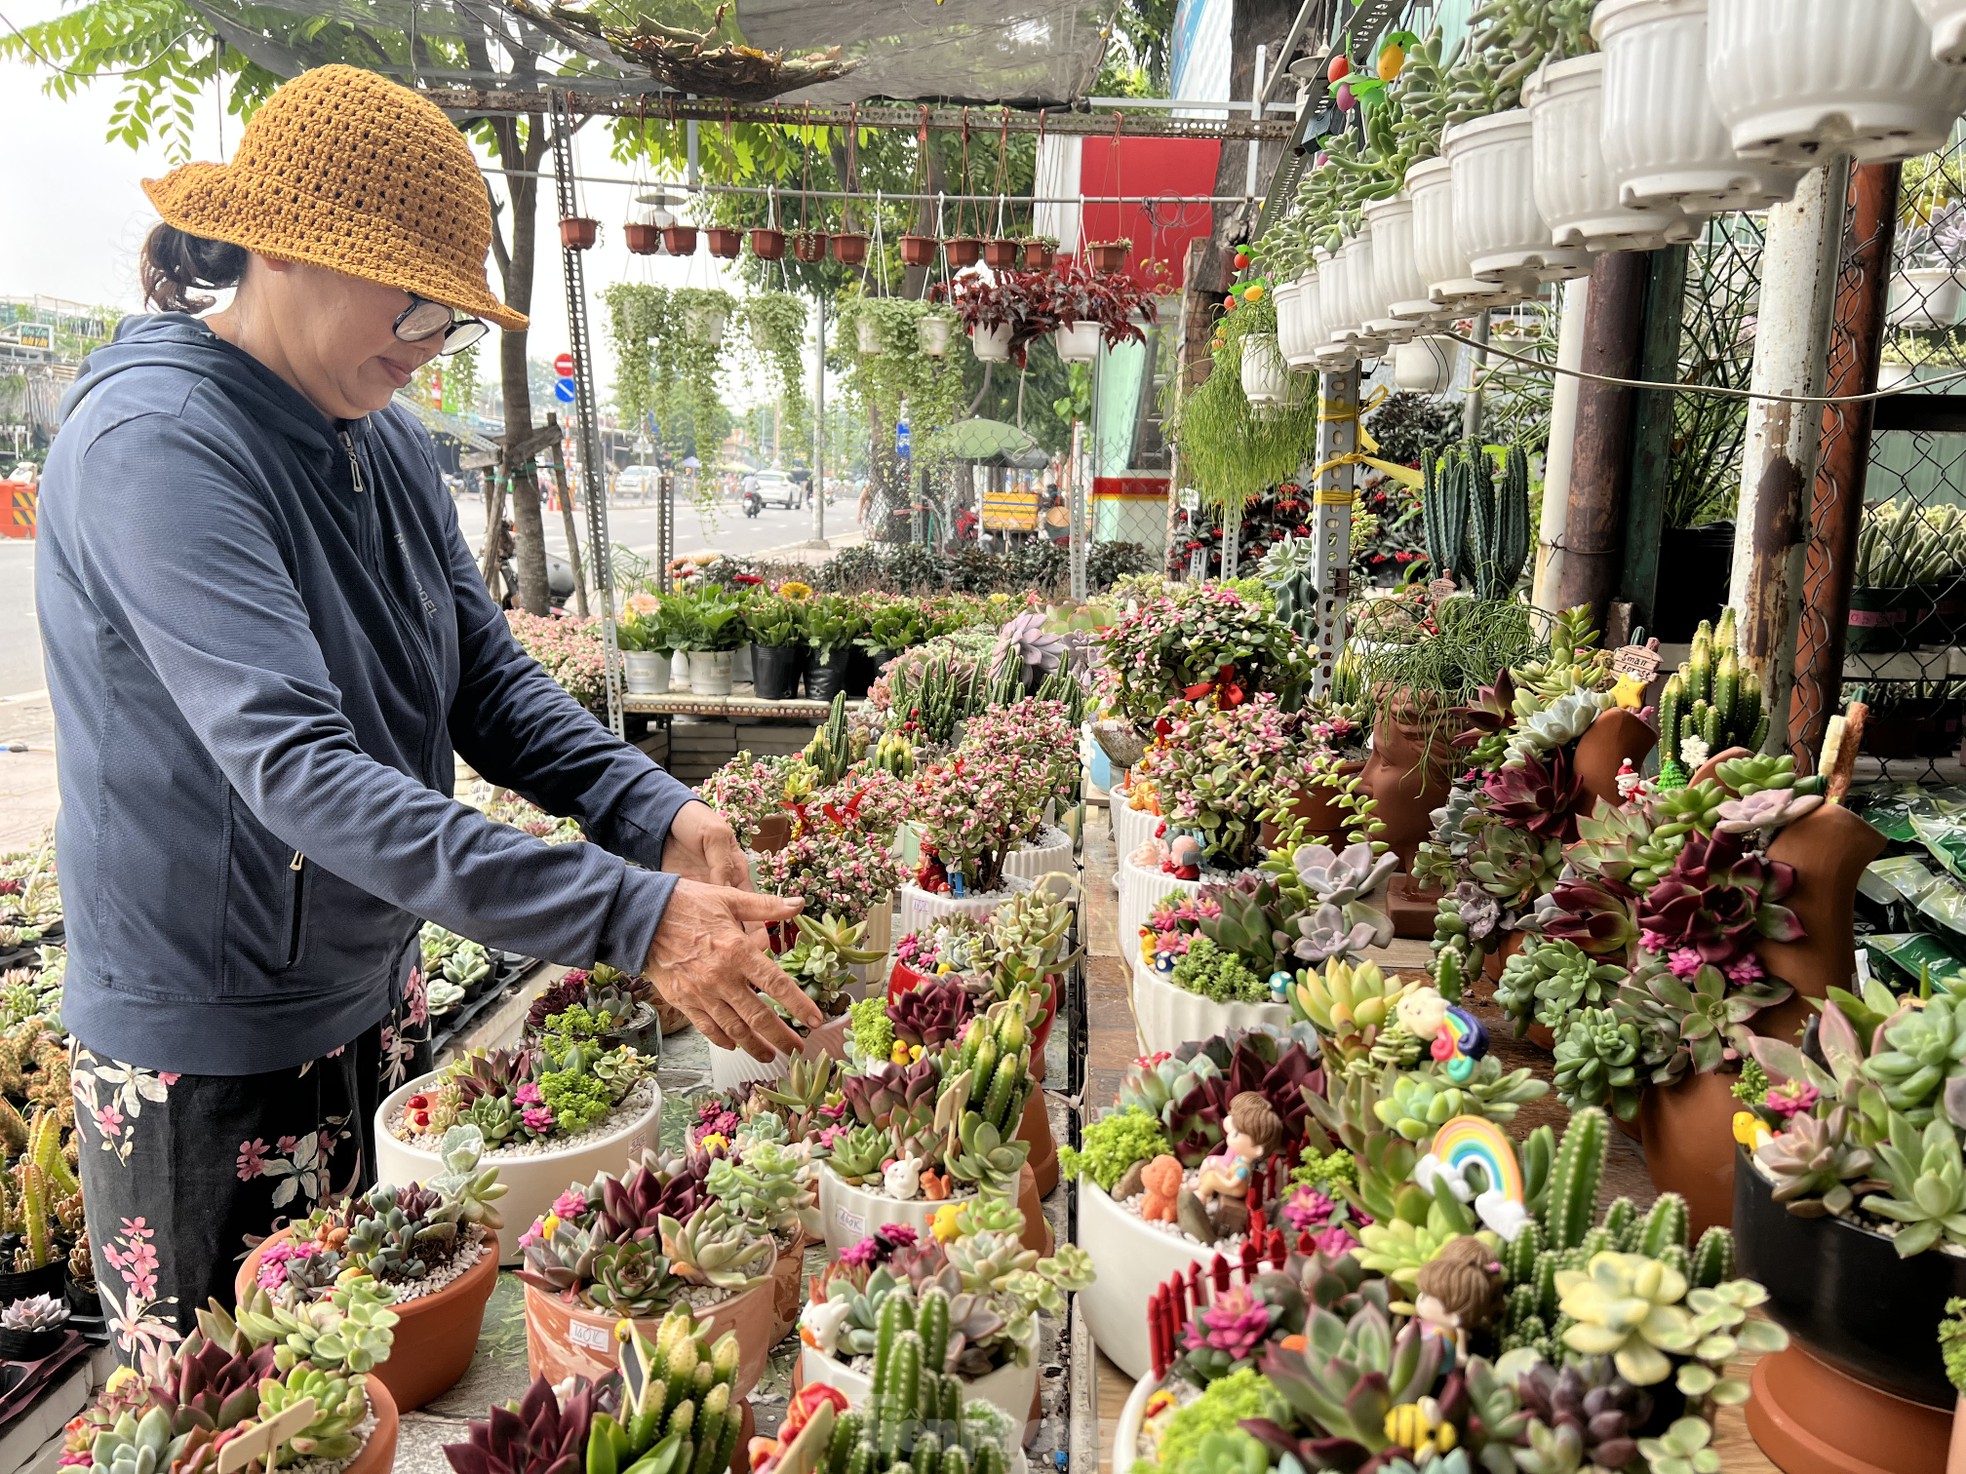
563,390
901,439
563,366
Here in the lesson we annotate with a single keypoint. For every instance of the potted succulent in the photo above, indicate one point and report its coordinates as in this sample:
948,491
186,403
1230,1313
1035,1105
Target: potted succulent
644,238
32,1329
679,240
646,643
40,1208
752,794
1039,251
1036,734
962,251
809,246
767,243
821,962
723,240
570,1100
433,1245
838,856
1108,255
917,250
634,1247
579,232
771,1188
971,811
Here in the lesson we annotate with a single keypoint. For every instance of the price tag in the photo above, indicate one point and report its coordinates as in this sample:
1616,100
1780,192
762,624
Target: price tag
1190,499
852,1222
594,1338
1640,662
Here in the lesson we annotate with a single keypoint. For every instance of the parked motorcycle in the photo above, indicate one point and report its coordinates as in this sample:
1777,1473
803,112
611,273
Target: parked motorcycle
559,573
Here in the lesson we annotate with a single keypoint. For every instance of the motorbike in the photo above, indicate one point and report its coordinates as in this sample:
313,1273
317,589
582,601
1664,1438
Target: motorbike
559,573
753,504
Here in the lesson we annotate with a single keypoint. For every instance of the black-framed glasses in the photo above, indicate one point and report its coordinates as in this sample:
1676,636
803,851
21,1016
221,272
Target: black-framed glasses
424,319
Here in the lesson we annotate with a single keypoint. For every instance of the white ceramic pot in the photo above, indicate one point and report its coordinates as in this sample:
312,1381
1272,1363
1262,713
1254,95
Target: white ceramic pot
1284,295
710,672
1925,297
1661,134
1049,854
1496,223
1947,19
1576,192
1009,1388
879,937
1395,275
1425,365
1166,1017
869,334
1797,80
1078,343
705,322
679,671
1131,827
1265,378
1141,890
1131,1258
730,1067
532,1181
1310,322
1451,288
990,345
647,672
1362,295
852,1213
1126,1435
1332,347
920,908
932,336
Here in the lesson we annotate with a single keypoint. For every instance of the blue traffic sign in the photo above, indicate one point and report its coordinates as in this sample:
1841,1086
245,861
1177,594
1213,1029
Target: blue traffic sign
901,438
563,390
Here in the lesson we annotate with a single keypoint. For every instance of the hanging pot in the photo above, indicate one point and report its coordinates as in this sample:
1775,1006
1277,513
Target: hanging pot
917,250
1309,312
850,247
1925,297
1425,365
961,251
1077,342
705,323
1661,134
679,240
1396,277
767,243
1496,223
867,333
990,345
1037,255
1441,265
1363,309
643,239
1947,19
1289,321
578,233
1106,255
1000,253
1265,379
809,246
932,335
722,240
1798,80
1576,192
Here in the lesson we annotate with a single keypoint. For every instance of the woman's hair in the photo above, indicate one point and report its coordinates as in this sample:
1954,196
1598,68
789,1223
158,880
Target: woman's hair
1257,1118
175,262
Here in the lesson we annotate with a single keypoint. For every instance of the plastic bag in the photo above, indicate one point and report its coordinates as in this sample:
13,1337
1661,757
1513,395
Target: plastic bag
1903,959
1891,811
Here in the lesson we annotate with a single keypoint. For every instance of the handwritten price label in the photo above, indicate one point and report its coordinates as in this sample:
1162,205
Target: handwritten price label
594,1338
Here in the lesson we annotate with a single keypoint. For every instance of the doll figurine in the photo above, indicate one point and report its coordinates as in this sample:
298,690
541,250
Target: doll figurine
1184,857
1250,1132
1459,1290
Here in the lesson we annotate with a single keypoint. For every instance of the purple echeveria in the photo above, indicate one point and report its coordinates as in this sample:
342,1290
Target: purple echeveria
1323,935
1538,795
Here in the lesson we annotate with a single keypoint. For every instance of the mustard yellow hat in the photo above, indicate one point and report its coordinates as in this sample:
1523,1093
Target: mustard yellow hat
344,169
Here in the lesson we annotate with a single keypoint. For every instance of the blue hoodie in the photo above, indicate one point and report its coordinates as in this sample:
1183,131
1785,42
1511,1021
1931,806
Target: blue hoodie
265,637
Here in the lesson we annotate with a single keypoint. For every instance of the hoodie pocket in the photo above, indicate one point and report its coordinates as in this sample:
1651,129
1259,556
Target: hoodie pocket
296,907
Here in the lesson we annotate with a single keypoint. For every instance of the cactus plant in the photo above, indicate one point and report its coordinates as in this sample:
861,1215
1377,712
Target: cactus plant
1711,702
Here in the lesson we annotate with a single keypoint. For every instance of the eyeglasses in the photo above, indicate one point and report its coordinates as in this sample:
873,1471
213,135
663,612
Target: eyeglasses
424,319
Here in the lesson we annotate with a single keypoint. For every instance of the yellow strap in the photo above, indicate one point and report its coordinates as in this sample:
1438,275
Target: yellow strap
1328,412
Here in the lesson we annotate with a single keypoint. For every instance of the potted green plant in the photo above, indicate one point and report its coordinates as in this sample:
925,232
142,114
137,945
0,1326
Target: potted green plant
831,623
723,240
809,246
778,653
643,634
704,311
711,628
932,330
1002,253
1039,251
1108,255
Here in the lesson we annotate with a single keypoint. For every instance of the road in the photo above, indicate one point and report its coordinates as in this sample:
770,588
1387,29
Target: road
24,713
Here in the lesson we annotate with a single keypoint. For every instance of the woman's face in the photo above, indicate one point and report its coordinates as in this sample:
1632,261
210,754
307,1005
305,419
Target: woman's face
336,335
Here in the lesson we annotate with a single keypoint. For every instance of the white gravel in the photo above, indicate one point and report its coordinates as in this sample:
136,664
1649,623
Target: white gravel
634,1104
1174,1230
430,1284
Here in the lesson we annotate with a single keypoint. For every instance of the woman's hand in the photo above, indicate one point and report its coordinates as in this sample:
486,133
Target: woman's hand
702,847
711,958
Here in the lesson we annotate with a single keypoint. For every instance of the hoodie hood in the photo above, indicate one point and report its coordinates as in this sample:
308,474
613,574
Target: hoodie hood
176,340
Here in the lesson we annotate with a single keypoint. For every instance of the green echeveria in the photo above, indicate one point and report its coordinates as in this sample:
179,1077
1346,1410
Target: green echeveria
1597,1061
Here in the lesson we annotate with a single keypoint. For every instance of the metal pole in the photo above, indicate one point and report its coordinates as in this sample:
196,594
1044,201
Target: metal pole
561,485
1645,501
1778,462
1256,114
1471,410
665,529
1331,554
1837,503
1563,428
819,433
1076,501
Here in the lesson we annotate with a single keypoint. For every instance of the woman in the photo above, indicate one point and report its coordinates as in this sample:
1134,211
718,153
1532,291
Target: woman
265,639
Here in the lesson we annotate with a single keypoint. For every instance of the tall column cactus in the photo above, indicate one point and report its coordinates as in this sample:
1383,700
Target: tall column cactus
1709,704
914,1421
678,1400
1476,523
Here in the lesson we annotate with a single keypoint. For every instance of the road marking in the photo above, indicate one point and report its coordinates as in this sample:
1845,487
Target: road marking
41,695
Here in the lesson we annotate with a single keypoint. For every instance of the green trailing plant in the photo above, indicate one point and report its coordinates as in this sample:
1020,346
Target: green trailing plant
777,323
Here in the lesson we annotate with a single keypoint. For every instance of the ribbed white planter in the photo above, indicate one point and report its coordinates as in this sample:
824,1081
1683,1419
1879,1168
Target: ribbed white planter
1576,192
731,1067
1451,288
1049,854
1265,377
1078,343
1126,1434
1396,282
1310,325
1925,297
1332,347
1947,19
710,672
1009,1388
1284,295
532,1181
1362,294
1131,1258
1797,80
1141,890
920,908
1425,365
852,1213
1661,134
1131,828
879,937
1166,1017
646,672
990,345
1496,223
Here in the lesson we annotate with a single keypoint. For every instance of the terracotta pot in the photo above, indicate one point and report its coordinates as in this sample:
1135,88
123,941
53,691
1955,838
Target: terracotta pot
850,248
962,250
1688,1134
917,250
1106,257
679,239
1409,773
1613,737
1811,1419
1318,806
378,1455
1829,848
788,1289
1000,254
643,239
571,1340
578,233
809,246
722,240
1706,769
436,1335
1956,1452
773,834
1493,963
767,243
1037,256
671,1019
1035,1127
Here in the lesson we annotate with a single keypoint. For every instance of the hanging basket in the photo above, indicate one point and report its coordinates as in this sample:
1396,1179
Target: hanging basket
918,250
643,239
1038,254
1947,18
1265,378
869,334
990,345
932,336
809,246
578,233
680,240
1002,254
1426,365
1078,342
767,243
705,324
722,240
1106,255
962,250
850,247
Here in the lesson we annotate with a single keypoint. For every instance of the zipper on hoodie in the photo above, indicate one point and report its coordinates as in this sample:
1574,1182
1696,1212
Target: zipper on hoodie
405,625
297,868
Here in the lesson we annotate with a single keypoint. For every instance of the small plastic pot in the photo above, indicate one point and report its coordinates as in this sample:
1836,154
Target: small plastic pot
826,678
1106,256
962,250
768,243
722,240
578,233
775,671
917,250
1877,621
850,247
809,246
643,239
1001,253
679,239
1037,255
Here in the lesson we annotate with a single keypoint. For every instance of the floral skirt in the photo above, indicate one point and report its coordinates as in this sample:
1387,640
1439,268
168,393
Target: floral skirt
183,1174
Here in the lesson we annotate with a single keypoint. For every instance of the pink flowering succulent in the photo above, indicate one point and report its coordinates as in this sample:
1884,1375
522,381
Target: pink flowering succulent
1213,772
570,651
839,870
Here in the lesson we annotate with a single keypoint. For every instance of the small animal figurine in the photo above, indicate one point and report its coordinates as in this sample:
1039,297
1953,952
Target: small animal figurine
1162,1183
944,1225
820,1323
1184,857
903,1178
935,1185
1459,1290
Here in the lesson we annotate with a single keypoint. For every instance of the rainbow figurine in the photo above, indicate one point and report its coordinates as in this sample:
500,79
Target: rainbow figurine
1455,1037
1471,1142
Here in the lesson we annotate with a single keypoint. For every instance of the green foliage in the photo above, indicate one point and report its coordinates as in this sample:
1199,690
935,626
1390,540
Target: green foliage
1222,1405
1215,974
1114,1143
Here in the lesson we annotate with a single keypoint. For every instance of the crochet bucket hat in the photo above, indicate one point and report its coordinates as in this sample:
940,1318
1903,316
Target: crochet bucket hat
344,169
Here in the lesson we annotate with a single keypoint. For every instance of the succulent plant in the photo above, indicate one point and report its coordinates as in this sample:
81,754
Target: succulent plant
859,1153
1590,916
1597,1062
632,1279
1702,1019
1920,1049
1538,795
1588,1400
986,1157
536,1435
350,1331
1814,1161
770,1189
1328,933
1628,1307
1546,729
1926,1182
802,1090
212,1384
1549,981
1711,698
1771,808
1029,941
1513,866
1419,1102
34,1313
341,1403
143,1445
1025,638
715,1247
1340,877
1348,1004
1717,897
1352,1374
660,1185
1762,772
932,1013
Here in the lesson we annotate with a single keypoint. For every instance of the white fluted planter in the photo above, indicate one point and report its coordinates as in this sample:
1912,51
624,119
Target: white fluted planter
646,672
1396,282
1925,297
1451,287
990,345
1661,134
1576,192
1310,322
920,908
1265,377
1049,854
1133,1416
1425,365
1078,343
732,1067
1496,223
1284,296
1131,1258
1141,890
1332,348
1010,1389
1362,297
1798,80
1165,1016
1131,828
1947,21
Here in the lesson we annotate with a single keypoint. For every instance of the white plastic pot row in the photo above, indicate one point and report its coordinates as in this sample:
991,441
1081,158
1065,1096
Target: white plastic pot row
1689,108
